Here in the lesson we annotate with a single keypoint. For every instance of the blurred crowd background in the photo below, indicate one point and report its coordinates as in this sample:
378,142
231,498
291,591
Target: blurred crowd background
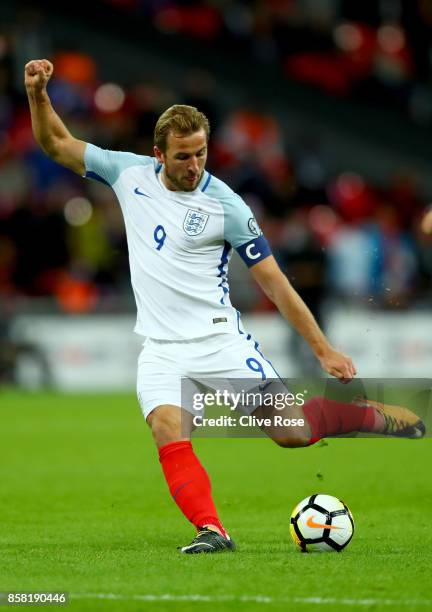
277,79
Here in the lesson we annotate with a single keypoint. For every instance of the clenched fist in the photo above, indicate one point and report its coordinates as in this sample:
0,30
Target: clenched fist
338,365
37,73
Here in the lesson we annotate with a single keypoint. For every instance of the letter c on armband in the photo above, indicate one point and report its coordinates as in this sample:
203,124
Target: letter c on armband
254,251
249,251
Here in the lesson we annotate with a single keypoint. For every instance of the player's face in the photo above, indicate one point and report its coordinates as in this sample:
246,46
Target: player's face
184,160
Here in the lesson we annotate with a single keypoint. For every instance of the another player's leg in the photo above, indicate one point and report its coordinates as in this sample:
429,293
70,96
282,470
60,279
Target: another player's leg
187,479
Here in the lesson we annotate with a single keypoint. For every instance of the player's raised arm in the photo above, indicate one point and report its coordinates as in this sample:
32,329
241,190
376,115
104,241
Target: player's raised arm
278,288
49,130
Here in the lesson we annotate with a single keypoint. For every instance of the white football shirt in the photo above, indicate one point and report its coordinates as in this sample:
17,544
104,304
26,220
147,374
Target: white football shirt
180,244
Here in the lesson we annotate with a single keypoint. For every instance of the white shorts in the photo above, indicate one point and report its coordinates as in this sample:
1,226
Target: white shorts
163,364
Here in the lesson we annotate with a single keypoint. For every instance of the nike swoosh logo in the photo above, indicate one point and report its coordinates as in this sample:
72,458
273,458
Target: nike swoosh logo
182,486
138,192
311,523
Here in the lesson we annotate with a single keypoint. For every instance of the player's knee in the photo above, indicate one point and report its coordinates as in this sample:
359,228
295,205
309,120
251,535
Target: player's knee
292,440
166,425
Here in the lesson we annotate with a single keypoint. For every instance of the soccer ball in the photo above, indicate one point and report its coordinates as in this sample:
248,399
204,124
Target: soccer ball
321,523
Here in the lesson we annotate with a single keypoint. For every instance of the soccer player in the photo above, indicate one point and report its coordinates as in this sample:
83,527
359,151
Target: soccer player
182,224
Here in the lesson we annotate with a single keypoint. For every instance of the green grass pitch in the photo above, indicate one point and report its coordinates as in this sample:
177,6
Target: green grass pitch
84,509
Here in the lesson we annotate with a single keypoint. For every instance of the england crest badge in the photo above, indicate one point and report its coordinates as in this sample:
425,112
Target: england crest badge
195,222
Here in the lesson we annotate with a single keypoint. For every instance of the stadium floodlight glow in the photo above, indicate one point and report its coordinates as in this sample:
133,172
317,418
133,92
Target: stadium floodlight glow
109,98
78,211
391,39
348,37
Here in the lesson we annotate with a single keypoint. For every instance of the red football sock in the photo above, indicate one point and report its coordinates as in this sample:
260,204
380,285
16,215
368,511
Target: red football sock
189,484
329,418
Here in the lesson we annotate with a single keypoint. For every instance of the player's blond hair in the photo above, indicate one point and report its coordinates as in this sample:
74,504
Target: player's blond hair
179,119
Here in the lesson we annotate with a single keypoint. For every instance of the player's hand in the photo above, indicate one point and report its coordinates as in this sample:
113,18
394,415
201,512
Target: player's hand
37,73
338,365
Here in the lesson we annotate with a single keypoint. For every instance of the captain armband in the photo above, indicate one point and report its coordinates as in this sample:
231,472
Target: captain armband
254,251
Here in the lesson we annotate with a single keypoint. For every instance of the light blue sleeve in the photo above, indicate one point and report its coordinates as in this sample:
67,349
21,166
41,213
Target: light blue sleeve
106,166
240,225
241,230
